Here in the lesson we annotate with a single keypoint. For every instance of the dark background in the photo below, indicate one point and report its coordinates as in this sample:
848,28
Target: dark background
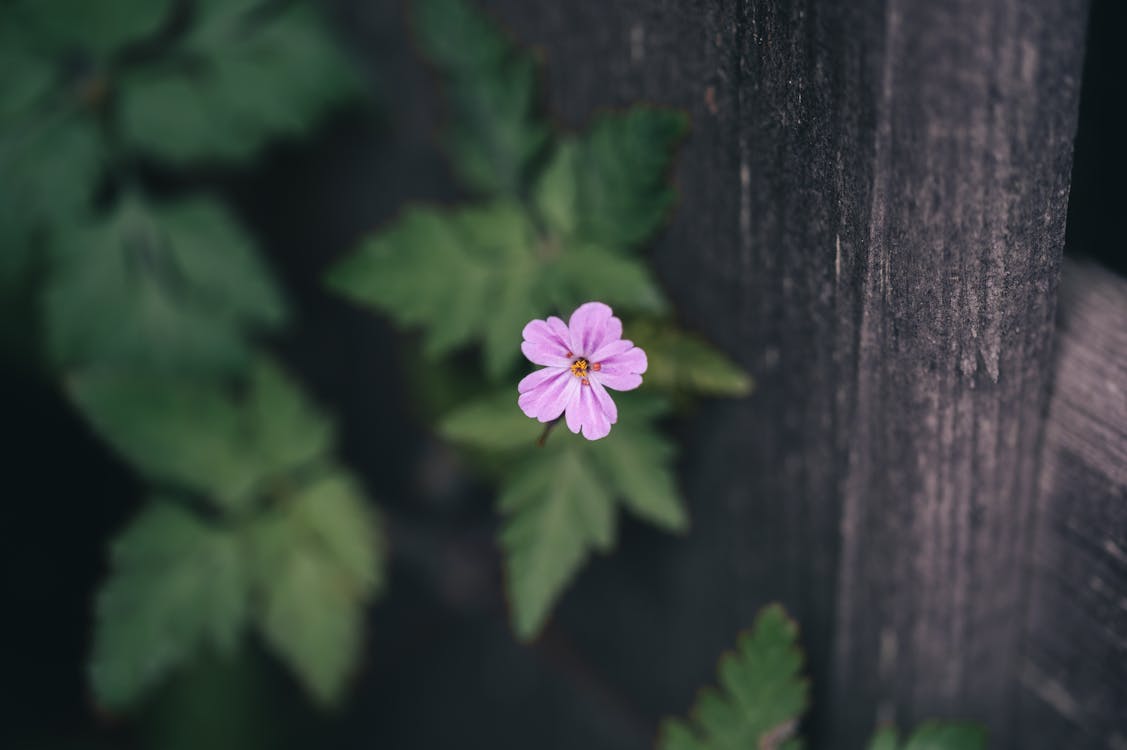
637,633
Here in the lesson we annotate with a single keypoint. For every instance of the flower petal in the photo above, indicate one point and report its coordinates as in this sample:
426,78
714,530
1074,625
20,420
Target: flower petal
546,342
603,399
550,398
534,379
611,348
623,370
585,413
591,325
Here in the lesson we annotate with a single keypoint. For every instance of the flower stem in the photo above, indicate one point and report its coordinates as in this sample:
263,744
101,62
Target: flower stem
547,429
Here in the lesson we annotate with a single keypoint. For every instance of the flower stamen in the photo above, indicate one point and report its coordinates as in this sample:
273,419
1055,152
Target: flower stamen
596,366
579,368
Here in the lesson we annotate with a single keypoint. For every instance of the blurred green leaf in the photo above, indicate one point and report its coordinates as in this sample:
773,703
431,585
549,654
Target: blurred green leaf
493,423
50,168
495,133
172,288
582,274
559,500
636,461
885,739
556,512
333,515
479,275
761,697
25,76
609,187
933,735
94,26
680,361
199,435
317,562
236,84
177,585
466,275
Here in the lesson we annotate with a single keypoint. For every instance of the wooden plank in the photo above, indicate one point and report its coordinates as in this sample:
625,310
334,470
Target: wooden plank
1074,669
976,118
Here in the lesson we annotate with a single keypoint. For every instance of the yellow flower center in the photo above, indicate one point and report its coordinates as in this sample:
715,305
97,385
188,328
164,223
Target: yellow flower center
579,368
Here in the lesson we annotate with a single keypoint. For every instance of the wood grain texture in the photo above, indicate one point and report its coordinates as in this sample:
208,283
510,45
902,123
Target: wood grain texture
1074,665
976,117
871,220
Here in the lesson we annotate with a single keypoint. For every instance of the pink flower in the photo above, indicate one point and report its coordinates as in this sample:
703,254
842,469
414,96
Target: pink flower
581,360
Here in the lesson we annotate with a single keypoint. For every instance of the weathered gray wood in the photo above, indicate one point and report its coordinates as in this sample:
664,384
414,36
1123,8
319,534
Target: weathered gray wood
975,120
871,220
1074,669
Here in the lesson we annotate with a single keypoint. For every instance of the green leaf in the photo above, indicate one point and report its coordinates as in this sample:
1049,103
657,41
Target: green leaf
317,563
495,133
236,86
559,500
173,288
680,361
479,275
885,739
610,186
99,26
334,516
761,697
586,273
636,461
50,168
177,585
199,435
466,276
557,513
933,735
494,423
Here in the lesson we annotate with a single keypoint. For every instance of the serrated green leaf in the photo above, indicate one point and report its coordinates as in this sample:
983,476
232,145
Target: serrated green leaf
317,561
337,519
557,513
610,186
761,696
636,459
177,585
199,435
238,86
172,288
466,276
682,362
479,275
495,133
99,26
559,500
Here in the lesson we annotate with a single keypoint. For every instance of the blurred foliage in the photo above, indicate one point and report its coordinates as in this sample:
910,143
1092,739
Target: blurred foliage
933,735
559,501
240,77
187,287
151,312
762,693
557,223
495,132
